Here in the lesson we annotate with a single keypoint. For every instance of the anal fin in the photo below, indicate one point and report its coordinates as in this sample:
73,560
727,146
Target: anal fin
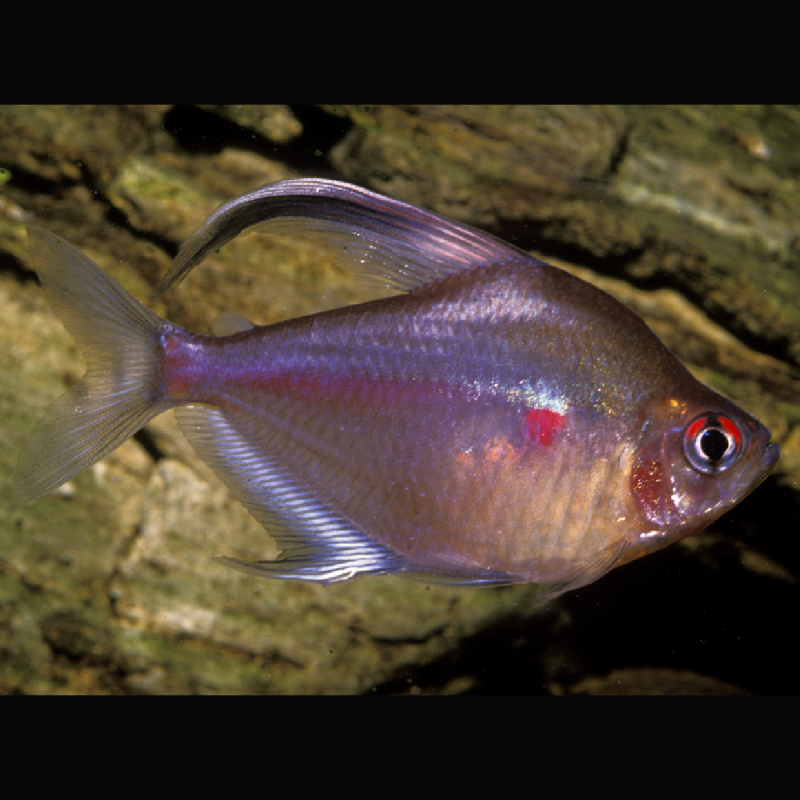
316,543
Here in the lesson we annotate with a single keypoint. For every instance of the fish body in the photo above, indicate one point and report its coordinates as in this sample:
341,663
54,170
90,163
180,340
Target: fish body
502,422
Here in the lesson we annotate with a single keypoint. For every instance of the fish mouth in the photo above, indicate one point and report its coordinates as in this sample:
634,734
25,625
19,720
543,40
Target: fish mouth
755,473
771,455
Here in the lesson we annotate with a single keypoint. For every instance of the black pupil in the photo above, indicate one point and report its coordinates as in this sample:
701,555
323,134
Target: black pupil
713,444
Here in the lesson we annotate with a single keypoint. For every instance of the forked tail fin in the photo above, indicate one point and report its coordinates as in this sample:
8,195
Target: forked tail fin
121,389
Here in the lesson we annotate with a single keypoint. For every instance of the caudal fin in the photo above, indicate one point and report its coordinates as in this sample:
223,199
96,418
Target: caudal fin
120,391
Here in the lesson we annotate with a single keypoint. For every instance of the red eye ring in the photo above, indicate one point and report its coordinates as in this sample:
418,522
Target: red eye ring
712,443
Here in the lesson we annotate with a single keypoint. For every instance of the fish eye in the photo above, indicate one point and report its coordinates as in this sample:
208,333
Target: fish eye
711,443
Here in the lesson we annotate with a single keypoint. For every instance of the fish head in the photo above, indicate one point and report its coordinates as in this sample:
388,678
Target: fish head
699,455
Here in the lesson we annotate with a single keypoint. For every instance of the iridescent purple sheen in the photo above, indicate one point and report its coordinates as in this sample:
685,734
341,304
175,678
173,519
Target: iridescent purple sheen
501,422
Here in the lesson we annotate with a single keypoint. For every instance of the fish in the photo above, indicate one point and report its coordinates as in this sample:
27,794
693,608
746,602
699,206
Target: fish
496,421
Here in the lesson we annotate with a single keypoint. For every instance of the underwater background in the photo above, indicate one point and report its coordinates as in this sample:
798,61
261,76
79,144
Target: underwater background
689,215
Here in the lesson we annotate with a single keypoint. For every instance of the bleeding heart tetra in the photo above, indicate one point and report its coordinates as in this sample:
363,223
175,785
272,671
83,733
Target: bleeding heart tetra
501,422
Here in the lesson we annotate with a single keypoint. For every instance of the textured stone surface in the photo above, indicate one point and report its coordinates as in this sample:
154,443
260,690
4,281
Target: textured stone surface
686,214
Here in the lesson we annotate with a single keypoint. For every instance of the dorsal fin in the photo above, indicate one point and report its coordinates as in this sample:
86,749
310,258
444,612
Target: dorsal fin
404,246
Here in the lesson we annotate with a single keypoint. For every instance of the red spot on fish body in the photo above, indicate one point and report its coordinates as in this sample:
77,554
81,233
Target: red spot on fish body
647,484
542,424
652,488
